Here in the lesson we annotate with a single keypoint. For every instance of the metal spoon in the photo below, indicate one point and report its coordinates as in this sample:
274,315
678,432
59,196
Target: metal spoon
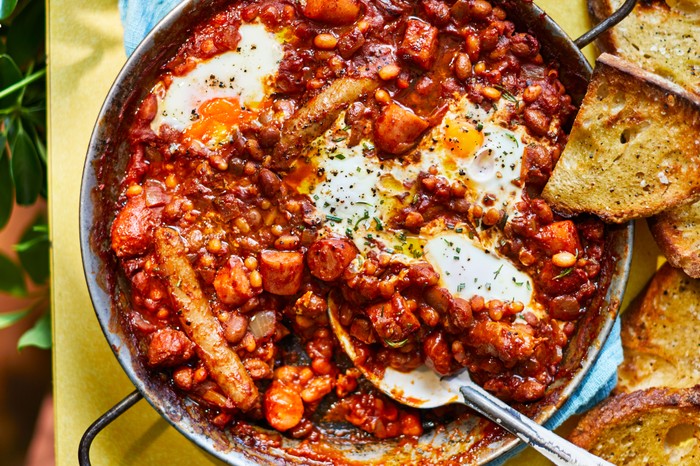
424,388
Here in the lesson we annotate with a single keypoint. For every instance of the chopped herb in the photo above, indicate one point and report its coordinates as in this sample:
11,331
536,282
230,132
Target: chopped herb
488,286
455,258
458,250
459,230
380,225
363,203
479,126
345,128
396,344
518,283
339,139
348,233
339,156
527,285
315,197
333,218
512,138
461,287
367,146
506,95
497,272
364,217
564,273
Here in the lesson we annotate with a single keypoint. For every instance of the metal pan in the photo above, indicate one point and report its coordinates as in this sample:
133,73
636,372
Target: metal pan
473,440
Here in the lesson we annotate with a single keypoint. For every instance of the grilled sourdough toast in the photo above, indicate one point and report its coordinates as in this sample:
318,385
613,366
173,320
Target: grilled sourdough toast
661,37
661,334
634,149
653,427
677,232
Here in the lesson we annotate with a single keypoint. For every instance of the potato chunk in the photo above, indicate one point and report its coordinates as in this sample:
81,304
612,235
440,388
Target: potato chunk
332,11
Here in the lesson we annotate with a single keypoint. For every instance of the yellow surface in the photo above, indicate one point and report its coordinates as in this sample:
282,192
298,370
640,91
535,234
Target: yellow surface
85,54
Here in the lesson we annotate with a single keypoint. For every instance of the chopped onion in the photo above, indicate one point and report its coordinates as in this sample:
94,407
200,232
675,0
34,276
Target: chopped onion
263,324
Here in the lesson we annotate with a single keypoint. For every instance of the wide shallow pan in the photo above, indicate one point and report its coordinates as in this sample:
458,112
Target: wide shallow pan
474,440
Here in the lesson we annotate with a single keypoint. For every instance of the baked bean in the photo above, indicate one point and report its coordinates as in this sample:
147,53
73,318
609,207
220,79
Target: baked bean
462,66
257,369
269,182
325,41
480,9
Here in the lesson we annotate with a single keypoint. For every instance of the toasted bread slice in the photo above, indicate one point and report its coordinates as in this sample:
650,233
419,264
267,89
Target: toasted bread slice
677,232
654,427
634,149
662,37
661,334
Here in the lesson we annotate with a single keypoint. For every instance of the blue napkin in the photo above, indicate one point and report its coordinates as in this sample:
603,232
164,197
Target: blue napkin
139,17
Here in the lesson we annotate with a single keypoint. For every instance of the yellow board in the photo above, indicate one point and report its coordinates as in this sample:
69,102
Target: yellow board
85,55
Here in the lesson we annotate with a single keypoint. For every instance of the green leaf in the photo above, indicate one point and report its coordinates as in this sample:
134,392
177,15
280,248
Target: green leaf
26,168
7,185
6,8
25,37
39,335
9,75
9,318
33,251
11,277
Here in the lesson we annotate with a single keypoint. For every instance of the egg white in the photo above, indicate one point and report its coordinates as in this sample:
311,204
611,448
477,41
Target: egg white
243,73
357,195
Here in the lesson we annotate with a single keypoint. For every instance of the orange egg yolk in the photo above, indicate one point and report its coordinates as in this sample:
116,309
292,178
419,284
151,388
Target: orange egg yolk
217,117
462,140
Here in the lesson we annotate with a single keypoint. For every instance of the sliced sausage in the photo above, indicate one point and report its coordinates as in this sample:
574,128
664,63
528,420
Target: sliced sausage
397,129
132,230
281,271
169,348
328,258
232,284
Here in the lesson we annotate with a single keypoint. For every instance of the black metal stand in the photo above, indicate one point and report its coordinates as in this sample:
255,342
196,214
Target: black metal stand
102,422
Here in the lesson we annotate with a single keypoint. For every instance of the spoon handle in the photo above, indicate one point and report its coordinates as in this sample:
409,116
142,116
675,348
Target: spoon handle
552,446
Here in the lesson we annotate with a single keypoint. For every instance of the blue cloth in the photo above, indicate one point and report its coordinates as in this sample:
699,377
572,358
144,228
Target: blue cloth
139,17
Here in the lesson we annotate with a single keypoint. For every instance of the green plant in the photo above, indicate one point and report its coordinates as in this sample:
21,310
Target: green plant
23,159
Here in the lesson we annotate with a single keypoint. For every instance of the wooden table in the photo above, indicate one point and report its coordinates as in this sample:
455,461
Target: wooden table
86,53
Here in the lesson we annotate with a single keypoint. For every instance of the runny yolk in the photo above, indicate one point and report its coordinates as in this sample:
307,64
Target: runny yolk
217,117
462,139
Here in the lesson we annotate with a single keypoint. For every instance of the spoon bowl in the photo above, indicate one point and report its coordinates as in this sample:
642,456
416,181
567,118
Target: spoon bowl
424,388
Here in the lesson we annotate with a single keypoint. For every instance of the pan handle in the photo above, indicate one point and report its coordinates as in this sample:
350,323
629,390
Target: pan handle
606,24
102,422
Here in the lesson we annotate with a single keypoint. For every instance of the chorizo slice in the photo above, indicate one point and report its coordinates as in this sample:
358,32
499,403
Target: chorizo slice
169,347
281,271
317,115
232,284
397,129
420,42
200,324
328,258
132,230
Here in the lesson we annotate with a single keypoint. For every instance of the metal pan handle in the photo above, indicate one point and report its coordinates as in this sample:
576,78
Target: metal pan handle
606,24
